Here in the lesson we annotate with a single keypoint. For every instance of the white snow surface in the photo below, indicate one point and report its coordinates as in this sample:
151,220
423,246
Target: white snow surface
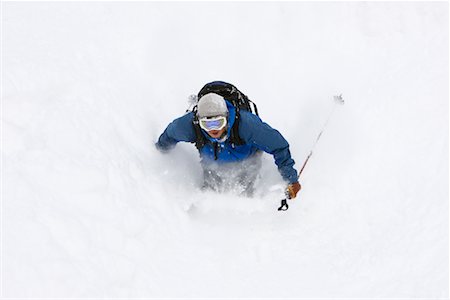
90,209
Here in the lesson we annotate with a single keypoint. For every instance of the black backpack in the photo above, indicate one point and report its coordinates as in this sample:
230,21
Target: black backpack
238,99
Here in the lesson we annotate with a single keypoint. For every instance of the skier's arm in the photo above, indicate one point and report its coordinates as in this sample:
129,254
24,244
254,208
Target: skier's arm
264,137
180,130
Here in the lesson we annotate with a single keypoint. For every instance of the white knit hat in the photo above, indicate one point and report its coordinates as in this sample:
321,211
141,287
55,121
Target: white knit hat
211,105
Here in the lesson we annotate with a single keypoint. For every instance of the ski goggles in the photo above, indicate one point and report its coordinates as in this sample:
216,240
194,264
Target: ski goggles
213,123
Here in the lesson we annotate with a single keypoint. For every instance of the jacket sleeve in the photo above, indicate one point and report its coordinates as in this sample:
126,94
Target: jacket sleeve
180,130
256,132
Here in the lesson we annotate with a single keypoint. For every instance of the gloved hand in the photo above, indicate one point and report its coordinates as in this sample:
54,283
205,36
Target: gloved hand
292,190
161,149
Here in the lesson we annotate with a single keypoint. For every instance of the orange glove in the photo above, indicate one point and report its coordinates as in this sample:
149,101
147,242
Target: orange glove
292,190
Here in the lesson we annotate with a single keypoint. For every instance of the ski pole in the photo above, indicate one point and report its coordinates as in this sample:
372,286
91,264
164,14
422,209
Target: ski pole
337,100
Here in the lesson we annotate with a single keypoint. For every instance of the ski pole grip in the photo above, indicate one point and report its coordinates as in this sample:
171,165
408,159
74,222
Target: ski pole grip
284,206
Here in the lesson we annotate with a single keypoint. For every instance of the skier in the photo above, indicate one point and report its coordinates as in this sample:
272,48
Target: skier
228,164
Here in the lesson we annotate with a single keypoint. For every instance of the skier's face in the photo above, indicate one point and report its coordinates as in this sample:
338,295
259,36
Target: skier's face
216,134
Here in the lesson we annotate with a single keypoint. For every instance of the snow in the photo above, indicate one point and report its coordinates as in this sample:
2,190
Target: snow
91,210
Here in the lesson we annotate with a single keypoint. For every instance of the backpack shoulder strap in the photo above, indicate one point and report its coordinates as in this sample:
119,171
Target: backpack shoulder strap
200,139
235,139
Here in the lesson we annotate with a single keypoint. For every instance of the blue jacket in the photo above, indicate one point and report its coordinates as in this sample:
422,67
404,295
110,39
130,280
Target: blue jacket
256,134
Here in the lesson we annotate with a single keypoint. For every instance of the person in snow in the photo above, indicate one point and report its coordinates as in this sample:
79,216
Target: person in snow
228,166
